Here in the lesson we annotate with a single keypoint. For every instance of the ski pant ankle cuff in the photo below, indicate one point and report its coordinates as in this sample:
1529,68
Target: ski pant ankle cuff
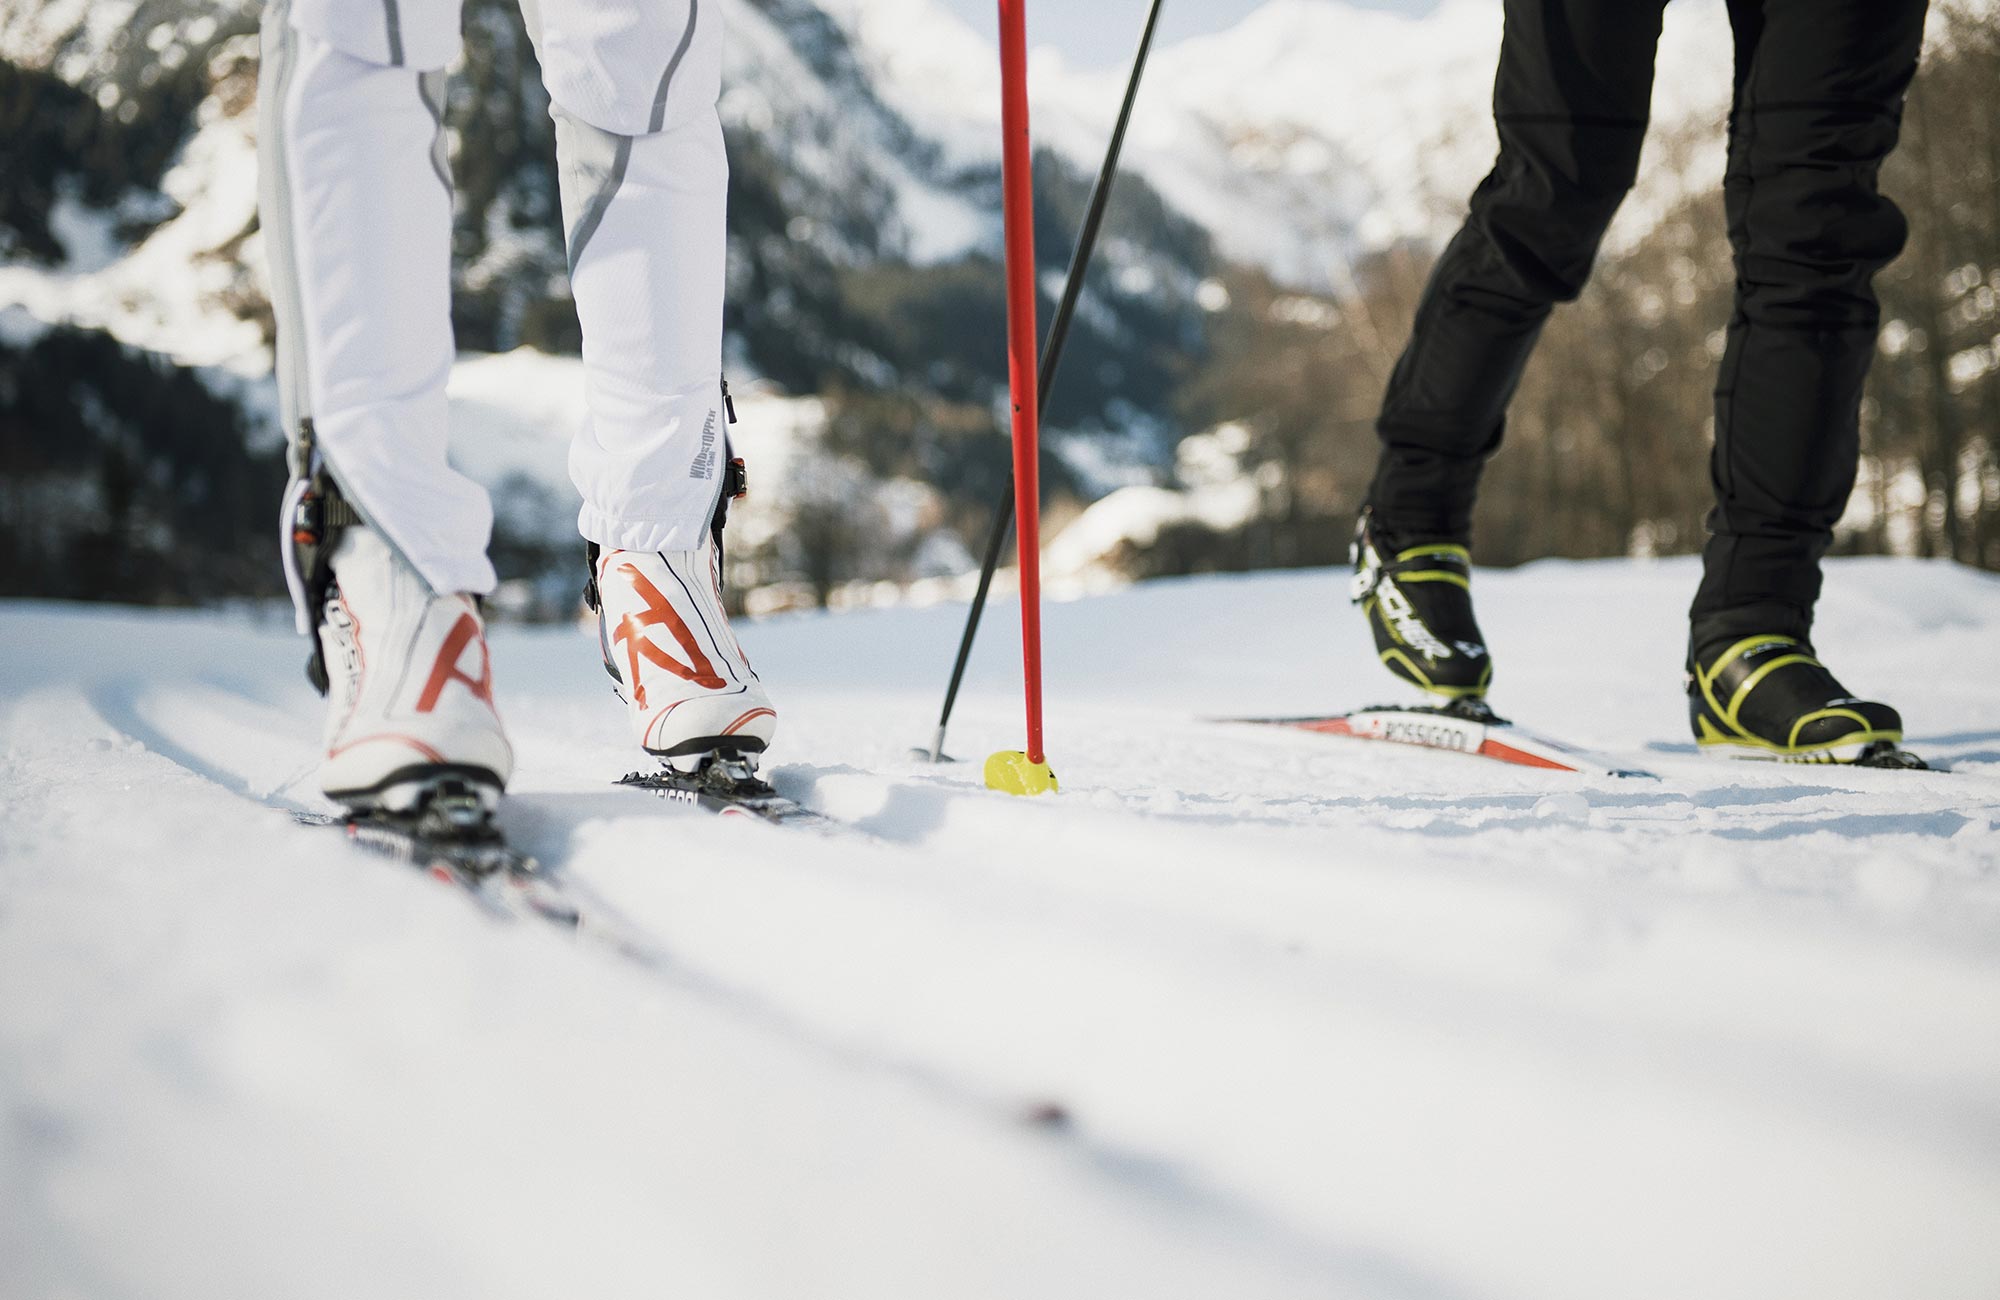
1710,630
646,535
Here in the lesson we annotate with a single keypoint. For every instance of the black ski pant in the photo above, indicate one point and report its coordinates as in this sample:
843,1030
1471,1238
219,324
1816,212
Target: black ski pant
1818,103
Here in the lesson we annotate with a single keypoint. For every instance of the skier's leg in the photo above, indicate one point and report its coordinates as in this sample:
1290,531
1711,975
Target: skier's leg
644,188
1819,94
356,213
1570,100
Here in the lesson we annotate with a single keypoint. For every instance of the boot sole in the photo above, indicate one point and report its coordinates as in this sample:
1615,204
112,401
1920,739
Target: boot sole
409,788
712,745
745,749
1857,750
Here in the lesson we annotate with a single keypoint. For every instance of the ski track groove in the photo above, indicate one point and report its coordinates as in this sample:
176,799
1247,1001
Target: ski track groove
1153,1176
1337,1018
1170,1191
1727,1062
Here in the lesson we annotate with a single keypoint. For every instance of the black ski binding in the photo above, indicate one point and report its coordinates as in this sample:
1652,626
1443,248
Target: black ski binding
451,829
1888,754
1464,709
725,782
451,836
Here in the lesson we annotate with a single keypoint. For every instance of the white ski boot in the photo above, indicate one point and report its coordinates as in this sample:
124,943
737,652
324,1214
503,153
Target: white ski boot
410,687
688,688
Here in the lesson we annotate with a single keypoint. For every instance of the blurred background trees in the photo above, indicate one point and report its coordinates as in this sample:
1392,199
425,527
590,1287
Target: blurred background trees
1933,436
1607,442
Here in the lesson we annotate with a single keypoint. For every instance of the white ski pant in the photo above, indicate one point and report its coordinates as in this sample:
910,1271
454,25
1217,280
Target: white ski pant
356,204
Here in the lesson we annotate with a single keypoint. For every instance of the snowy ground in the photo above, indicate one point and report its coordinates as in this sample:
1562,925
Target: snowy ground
1330,1019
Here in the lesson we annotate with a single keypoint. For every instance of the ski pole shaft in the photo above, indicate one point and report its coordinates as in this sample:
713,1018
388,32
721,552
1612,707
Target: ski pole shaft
1052,351
1093,217
1003,519
1017,183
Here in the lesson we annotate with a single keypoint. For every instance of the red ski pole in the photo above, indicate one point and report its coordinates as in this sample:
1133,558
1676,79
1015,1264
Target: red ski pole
1011,770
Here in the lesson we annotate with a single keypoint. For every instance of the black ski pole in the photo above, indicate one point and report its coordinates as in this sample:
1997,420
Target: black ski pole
1052,348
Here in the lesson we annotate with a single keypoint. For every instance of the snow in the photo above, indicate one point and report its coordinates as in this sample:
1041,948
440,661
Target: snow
515,413
1330,1020
88,235
1092,552
32,32
933,68
1363,127
1310,133
19,328
841,139
1087,555
172,293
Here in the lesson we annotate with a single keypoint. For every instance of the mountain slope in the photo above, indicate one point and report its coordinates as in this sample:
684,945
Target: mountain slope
863,266
1312,132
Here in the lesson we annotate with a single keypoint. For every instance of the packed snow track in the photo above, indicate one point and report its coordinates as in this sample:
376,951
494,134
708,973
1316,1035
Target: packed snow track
1238,1013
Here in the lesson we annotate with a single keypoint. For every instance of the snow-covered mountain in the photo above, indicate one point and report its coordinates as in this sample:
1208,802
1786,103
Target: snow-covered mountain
862,251
864,153
164,264
858,179
1312,132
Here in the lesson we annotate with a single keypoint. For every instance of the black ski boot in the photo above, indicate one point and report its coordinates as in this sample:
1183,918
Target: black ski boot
1768,697
1418,601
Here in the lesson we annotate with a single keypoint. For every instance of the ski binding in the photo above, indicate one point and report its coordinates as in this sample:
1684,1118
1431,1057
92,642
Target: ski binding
725,782
451,837
1888,754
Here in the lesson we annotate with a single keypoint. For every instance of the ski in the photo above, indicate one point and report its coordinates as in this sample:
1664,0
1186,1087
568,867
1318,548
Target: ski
728,785
452,839
1466,727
